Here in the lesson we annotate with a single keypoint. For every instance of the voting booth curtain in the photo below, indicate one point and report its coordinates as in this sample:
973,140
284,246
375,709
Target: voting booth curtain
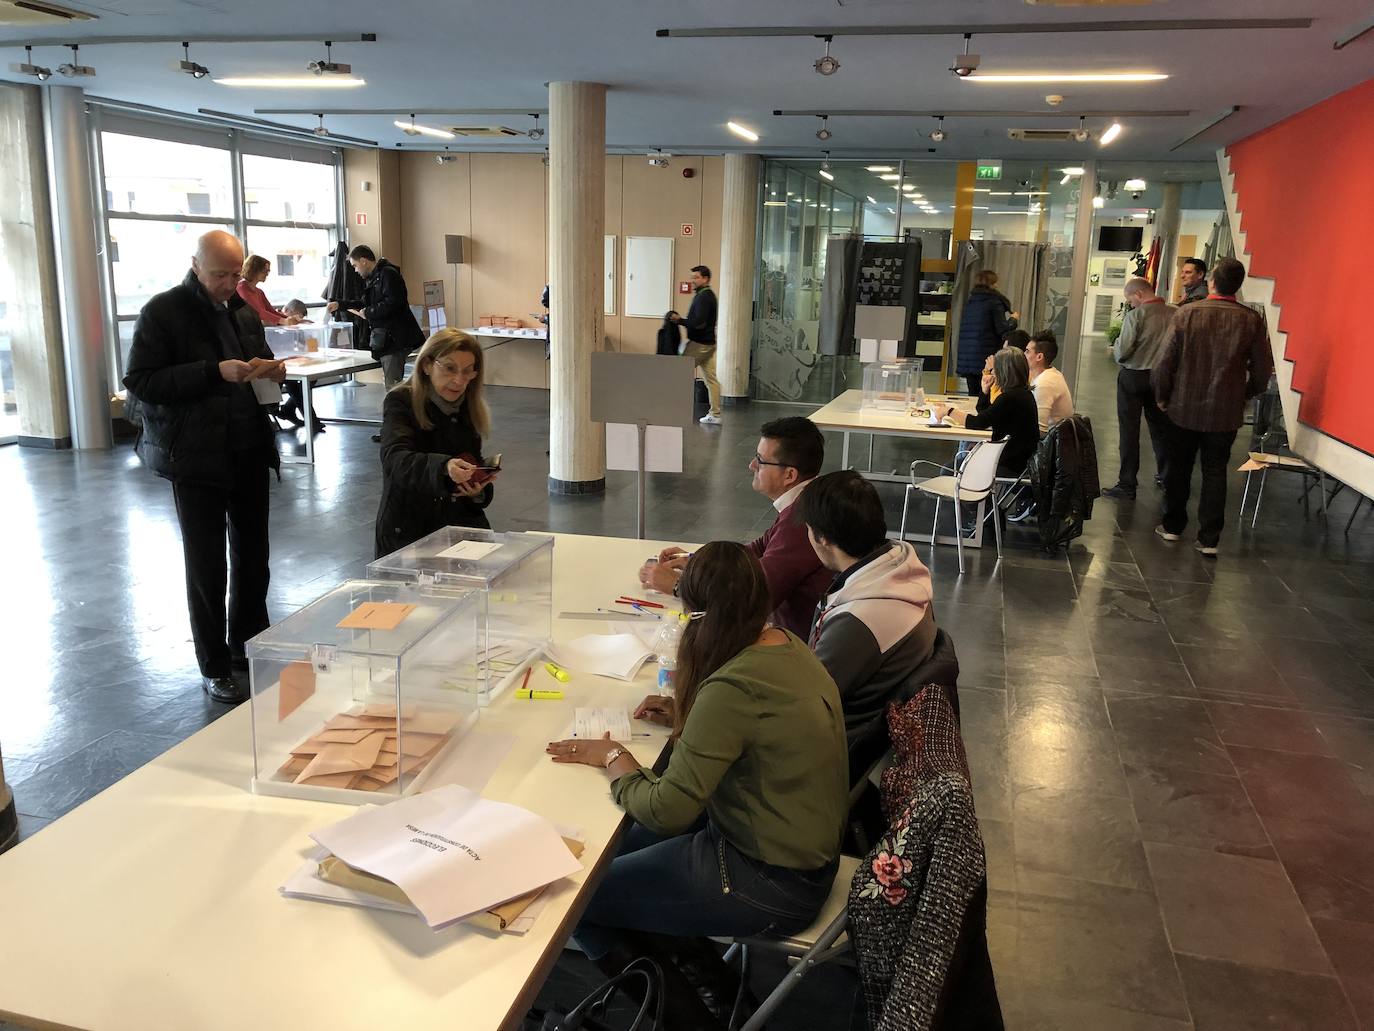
1022,275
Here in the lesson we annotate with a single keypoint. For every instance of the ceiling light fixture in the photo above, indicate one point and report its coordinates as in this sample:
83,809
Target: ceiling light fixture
1135,185
411,129
536,133
965,64
825,168
196,71
891,211
877,168
29,68
1074,170
1065,180
872,200
290,82
75,69
1029,77
320,130
329,66
742,130
826,65
824,133
890,177
938,134
1098,202
1081,135
1111,133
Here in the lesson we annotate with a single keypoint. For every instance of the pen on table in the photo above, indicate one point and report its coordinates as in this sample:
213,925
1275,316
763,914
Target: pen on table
524,684
557,672
629,615
539,696
625,599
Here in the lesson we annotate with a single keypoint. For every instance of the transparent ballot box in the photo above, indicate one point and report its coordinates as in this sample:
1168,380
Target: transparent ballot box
363,695
308,338
513,573
893,386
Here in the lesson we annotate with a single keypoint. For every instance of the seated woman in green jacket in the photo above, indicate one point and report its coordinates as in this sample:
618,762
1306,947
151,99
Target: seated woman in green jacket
741,833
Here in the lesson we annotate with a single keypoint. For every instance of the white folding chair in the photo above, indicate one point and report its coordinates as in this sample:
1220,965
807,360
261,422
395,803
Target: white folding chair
975,481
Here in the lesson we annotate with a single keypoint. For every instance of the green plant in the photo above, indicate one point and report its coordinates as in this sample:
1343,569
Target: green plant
1113,331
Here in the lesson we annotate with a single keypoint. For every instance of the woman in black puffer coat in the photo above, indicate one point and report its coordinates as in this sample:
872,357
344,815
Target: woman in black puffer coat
987,319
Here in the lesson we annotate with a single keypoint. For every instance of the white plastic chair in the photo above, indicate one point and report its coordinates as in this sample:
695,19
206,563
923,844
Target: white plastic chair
975,481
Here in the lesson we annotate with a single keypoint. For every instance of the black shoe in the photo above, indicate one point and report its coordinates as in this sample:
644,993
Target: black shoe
224,690
291,415
376,438
316,426
1120,493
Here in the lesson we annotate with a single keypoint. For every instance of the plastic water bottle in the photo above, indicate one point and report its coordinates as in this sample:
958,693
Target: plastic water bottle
665,647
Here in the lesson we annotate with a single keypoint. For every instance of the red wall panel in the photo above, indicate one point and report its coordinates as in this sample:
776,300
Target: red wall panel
1305,191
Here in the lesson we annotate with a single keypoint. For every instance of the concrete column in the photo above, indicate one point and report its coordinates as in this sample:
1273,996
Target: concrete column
78,276
577,221
1167,221
738,264
1070,348
28,274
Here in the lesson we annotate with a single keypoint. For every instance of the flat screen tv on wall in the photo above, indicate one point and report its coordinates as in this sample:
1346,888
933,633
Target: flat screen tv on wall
1120,238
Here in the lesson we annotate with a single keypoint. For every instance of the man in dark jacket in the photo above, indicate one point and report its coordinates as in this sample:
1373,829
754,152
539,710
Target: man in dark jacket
1216,356
202,370
700,321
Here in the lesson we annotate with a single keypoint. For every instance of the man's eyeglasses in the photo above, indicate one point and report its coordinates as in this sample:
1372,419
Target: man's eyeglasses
760,460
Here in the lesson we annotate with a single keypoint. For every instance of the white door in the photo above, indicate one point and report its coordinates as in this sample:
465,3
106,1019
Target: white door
648,276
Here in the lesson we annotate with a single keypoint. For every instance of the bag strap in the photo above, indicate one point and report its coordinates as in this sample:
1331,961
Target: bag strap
645,968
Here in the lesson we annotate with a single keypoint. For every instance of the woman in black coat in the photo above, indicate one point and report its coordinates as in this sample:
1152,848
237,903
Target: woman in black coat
1013,417
432,426
986,320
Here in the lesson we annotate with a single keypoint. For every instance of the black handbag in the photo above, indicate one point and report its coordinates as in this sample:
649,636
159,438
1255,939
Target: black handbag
585,1016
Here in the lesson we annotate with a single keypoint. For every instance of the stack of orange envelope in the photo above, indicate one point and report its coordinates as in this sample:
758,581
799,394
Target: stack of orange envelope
368,747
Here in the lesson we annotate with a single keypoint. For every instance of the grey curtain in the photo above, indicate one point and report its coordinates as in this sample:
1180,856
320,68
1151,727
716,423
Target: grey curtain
1022,274
835,335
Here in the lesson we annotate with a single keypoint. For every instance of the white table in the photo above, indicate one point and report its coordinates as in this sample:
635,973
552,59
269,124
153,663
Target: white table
155,904
846,414
514,366
309,369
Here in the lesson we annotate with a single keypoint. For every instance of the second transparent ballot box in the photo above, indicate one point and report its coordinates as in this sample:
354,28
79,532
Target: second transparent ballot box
364,694
308,338
893,386
513,572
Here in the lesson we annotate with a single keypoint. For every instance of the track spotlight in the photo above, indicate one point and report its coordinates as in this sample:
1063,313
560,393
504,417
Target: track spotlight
938,134
29,68
824,133
826,174
1081,134
75,68
329,66
536,133
320,130
965,64
196,71
826,65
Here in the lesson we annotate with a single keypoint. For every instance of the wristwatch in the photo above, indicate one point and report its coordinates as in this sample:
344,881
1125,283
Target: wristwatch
613,755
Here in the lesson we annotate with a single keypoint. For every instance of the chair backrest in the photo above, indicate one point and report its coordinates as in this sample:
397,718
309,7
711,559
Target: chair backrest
980,468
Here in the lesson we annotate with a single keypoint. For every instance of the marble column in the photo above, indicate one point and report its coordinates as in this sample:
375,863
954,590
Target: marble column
736,275
1167,221
78,274
577,224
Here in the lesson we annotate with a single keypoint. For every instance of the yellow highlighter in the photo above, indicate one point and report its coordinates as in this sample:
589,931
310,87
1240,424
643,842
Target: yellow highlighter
557,672
539,696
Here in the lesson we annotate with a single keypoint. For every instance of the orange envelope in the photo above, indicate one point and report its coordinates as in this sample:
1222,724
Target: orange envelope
376,615
297,683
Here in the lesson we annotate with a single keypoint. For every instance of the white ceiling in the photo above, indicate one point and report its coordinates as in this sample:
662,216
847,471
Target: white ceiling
678,93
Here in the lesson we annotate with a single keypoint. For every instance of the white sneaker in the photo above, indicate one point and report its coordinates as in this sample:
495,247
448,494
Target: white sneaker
710,420
1203,549
1165,535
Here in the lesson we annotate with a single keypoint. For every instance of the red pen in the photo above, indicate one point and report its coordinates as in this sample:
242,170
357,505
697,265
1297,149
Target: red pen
526,682
626,600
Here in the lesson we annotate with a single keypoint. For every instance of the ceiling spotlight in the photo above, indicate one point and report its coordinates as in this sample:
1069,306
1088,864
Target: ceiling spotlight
826,65
1081,134
658,159
320,130
938,134
536,133
29,68
826,174
196,71
1135,185
329,66
75,69
824,133
965,64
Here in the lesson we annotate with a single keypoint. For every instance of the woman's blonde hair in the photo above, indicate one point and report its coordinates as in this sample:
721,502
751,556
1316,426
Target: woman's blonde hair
437,347
985,277
253,266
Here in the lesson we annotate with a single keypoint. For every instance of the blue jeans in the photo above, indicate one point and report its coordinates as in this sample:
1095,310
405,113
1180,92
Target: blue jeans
697,885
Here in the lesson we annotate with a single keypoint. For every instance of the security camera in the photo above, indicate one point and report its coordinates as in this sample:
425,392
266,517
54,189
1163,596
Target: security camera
965,65
658,159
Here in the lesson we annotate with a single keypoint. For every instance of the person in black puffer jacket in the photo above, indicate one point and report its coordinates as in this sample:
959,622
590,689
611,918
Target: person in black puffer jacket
197,350
432,427
385,304
986,320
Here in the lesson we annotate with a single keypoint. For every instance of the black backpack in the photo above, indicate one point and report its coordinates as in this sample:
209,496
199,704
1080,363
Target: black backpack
670,335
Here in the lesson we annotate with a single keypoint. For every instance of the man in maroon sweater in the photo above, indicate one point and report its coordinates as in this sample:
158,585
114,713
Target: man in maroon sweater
789,456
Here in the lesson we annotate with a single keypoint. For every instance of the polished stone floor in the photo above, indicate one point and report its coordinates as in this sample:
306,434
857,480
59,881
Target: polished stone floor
1173,756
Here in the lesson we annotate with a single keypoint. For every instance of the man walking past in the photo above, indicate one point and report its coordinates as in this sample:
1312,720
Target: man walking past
700,321
197,354
1193,278
1143,333
1216,356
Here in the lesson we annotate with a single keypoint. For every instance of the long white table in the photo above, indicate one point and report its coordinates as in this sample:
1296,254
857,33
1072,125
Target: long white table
309,369
155,904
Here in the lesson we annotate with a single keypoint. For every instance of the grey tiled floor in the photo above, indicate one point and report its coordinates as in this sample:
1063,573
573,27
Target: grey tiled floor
1173,757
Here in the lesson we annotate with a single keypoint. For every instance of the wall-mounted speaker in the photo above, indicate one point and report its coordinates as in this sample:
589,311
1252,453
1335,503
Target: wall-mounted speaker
454,248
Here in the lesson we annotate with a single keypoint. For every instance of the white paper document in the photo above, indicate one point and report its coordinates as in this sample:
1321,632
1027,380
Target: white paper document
868,350
662,448
268,392
595,723
451,851
470,551
887,350
617,656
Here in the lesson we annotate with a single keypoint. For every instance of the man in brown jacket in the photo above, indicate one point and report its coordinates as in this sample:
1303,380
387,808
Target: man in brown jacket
1215,358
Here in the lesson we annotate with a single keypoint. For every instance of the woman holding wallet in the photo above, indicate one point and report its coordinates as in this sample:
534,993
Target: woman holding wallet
433,473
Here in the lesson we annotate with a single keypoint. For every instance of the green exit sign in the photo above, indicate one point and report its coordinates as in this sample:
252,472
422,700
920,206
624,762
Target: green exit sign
989,169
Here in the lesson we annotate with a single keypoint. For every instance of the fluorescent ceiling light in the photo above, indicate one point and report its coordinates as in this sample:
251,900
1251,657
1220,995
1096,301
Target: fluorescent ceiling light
877,168
1135,185
1065,180
1140,214
424,130
871,200
291,82
1098,202
1031,193
775,204
1012,212
827,176
742,130
1111,133
889,178
982,189
999,193
1072,171
890,211
980,207
1068,77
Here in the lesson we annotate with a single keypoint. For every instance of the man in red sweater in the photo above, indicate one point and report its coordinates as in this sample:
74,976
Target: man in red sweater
789,456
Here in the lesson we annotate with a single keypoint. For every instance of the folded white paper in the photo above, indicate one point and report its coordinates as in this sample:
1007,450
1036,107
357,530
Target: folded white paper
470,551
617,656
868,350
452,852
268,392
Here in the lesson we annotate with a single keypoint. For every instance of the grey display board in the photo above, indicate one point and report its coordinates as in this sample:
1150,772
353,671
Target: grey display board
655,389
